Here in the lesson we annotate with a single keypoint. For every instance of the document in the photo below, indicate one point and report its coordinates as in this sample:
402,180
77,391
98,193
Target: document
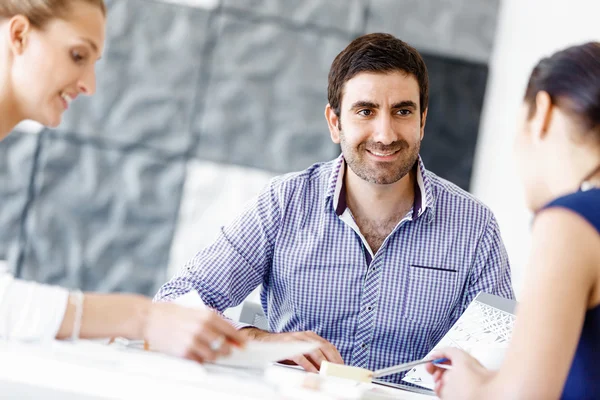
484,331
258,355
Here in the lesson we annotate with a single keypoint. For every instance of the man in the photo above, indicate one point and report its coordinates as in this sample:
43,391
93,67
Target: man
370,254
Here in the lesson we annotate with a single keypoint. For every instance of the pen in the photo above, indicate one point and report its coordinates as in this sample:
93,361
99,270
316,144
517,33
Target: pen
407,366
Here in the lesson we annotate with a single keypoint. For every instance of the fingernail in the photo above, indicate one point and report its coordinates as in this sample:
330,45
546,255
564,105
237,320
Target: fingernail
236,343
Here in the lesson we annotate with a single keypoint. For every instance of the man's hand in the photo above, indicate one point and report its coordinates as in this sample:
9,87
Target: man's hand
311,362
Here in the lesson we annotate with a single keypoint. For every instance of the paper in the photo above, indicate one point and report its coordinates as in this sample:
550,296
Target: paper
85,368
295,384
90,354
258,355
484,331
255,355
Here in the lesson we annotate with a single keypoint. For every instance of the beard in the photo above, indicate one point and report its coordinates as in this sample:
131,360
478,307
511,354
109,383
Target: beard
381,173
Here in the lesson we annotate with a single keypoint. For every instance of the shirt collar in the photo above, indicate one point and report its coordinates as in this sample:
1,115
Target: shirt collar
337,188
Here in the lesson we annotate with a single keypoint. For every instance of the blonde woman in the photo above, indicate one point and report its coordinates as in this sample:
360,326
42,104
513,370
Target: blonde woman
48,50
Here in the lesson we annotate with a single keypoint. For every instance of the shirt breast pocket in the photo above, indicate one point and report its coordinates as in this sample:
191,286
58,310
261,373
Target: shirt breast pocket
430,294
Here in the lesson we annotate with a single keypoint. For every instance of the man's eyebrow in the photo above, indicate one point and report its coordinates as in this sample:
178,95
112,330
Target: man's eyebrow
364,104
405,104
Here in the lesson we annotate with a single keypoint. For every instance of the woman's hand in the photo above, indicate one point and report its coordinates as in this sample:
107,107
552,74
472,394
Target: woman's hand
196,334
463,381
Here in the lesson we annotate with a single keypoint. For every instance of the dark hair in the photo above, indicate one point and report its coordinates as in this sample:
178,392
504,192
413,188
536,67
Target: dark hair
376,52
572,79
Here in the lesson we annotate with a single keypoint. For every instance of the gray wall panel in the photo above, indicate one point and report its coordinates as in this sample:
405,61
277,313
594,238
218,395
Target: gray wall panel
454,28
265,101
101,219
455,101
146,78
244,84
346,16
16,162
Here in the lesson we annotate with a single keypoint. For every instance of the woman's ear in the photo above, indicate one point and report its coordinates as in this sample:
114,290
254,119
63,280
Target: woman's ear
540,121
19,28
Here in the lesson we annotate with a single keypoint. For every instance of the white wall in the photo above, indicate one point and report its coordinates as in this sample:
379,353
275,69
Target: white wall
527,30
213,195
209,4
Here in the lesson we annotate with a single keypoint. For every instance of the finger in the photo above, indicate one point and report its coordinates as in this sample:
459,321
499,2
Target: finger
332,354
438,389
192,355
329,350
444,382
438,374
438,353
287,362
203,350
310,335
316,357
304,363
451,353
225,328
209,337
431,368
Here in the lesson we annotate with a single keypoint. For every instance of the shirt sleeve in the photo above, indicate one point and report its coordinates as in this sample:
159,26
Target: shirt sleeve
491,270
30,311
192,300
225,273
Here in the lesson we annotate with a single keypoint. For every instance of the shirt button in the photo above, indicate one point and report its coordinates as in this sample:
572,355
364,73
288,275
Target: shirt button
369,308
364,345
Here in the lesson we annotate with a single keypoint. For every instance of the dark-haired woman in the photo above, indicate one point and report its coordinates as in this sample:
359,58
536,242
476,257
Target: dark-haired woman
555,348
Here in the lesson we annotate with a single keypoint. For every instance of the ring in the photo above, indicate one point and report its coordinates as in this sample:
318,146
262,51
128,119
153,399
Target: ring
216,344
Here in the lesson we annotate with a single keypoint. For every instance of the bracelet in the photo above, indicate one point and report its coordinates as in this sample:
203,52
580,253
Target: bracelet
76,298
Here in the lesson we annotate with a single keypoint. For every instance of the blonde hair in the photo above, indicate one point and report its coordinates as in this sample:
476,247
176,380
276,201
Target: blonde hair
39,12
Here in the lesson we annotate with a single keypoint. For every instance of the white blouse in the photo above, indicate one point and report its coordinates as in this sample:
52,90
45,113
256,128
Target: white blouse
30,311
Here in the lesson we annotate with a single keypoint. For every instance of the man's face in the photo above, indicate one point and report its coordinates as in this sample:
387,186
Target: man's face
379,127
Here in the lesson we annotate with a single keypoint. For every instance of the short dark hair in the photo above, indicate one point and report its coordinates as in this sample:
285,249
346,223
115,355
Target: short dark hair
376,52
572,79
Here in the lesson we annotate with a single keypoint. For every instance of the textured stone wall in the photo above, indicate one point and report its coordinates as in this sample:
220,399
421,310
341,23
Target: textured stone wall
198,105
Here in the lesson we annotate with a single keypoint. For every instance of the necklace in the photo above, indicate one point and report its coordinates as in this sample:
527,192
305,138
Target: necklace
586,184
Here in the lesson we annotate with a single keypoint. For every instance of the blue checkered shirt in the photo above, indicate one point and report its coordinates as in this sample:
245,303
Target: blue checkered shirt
318,273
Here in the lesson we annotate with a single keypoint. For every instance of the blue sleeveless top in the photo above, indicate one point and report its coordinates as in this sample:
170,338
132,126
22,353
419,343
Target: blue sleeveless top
583,381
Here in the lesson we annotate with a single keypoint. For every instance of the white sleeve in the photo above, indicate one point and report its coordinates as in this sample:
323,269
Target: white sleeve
30,311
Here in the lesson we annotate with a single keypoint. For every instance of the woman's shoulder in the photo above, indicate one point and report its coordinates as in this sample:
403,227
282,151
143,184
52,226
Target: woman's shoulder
564,241
584,203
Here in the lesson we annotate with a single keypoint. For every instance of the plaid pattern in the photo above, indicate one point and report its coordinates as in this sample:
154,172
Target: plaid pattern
315,275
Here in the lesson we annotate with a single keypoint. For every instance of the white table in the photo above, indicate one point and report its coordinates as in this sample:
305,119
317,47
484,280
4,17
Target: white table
90,371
